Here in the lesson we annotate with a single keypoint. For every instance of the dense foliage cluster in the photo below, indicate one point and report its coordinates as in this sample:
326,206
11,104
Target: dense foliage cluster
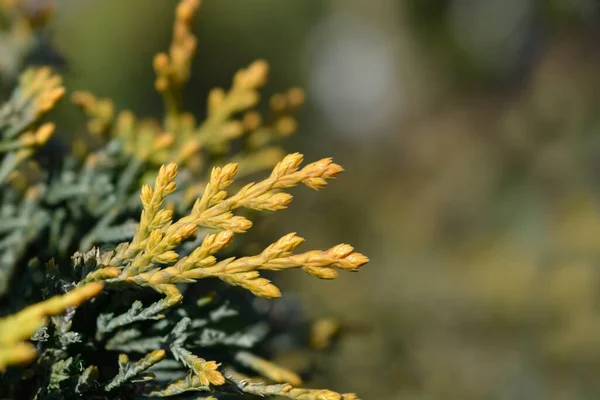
103,286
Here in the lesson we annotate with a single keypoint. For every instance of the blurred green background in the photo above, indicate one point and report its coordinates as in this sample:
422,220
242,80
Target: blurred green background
470,135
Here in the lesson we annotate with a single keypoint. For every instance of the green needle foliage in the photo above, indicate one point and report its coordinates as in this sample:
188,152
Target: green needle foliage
123,248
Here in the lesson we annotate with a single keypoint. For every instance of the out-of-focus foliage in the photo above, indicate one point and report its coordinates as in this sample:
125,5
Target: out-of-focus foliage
23,38
485,220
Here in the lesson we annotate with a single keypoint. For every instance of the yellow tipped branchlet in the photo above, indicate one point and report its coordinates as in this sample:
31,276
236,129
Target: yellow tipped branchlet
206,372
214,210
154,261
16,328
220,126
203,374
153,218
127,371
173,68
244,271
288,391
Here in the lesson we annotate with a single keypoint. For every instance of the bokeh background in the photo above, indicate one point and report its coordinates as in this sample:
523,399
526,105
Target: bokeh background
470,135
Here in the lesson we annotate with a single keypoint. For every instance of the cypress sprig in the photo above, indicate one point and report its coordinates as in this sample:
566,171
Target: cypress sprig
127,241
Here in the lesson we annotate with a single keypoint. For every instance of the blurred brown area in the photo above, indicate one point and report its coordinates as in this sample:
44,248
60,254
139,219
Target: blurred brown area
470,134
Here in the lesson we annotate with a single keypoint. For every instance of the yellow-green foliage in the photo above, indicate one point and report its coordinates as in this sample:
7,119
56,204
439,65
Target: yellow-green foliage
175,241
